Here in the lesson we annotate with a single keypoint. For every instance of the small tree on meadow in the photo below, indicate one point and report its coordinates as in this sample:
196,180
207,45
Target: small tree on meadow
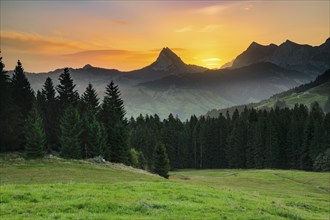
161,162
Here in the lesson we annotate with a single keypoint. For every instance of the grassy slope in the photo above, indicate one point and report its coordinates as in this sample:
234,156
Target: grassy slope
319,93
60,189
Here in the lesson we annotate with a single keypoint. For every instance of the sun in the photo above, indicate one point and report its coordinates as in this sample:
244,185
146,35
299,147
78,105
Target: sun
212,63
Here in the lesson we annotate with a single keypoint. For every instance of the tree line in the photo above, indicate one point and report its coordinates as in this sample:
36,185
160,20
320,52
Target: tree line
58,119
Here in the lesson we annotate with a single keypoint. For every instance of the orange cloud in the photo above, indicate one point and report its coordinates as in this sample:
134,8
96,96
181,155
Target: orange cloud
26,42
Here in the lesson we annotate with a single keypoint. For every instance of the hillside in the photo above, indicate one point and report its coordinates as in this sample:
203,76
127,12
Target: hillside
63,189
317,90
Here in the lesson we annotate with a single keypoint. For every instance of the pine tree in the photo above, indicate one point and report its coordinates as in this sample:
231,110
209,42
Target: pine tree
23,94
90,98
70,133
312,139
34,134
236,146
259,141
94,136
23,98
113,118
161,162
51,114
66,90
8,120
171,137
272,142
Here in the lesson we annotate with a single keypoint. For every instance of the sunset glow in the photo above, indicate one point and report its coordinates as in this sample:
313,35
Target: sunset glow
128,35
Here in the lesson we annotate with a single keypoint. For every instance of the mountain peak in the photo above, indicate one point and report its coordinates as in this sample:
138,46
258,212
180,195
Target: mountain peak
255,44
87,66
168,53
169,61
289,42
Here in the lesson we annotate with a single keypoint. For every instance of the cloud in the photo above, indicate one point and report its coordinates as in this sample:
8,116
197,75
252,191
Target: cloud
248,7
110,55
28,43
217,8
119,22
210,28
212,59
210,10
184,29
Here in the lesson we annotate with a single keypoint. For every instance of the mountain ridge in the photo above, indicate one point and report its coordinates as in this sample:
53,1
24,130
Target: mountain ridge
290,55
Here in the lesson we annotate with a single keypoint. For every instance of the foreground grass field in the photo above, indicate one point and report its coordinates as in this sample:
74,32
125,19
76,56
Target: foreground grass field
61,189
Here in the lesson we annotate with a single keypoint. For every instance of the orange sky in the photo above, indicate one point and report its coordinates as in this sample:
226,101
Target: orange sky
128,35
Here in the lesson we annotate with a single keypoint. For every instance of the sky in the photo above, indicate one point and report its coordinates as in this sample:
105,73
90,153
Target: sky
127,35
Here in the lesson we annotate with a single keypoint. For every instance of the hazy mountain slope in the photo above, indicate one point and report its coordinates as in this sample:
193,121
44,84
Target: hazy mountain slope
317,90
289,55
243,85
182,102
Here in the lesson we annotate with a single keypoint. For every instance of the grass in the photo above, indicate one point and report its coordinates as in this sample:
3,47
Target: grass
62,189
317,94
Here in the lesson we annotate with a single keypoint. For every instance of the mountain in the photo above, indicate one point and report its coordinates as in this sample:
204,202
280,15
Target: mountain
317,90
167,63
304,58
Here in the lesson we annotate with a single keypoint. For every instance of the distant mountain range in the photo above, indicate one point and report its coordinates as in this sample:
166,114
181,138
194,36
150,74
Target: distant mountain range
169,85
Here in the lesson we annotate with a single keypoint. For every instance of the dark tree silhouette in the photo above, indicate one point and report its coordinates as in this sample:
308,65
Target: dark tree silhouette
161,161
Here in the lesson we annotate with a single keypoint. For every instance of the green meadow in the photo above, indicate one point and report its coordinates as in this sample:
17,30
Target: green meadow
72,189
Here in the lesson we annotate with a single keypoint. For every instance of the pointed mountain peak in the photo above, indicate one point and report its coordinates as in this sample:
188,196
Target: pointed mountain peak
167,53
169,61
289,42
87,66
253,44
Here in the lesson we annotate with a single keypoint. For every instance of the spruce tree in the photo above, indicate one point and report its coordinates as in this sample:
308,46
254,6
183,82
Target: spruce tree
236,146
113,118
22,92
70,133
90,98
161,162
23,98
34,134
93,137
51,114
8,120
66,90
